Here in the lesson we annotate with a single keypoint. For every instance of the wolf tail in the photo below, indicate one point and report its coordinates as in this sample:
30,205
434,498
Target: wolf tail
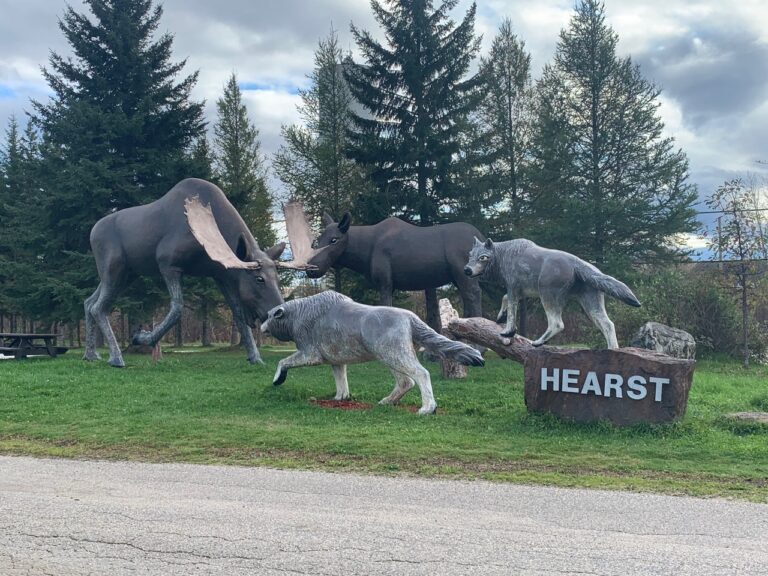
442,346
608,284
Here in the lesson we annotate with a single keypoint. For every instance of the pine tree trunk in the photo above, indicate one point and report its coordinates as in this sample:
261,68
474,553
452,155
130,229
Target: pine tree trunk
205,329
745,321
179,335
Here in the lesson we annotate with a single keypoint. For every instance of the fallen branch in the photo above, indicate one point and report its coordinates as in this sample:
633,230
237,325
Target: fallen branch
487,333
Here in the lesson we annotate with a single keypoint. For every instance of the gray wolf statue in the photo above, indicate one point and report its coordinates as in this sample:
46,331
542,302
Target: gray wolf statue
330,328
396,255
192,230
526,269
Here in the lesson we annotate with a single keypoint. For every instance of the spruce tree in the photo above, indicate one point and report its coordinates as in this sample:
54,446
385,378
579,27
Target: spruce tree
504,116
115,132
609,185
416,96
313,162
240,167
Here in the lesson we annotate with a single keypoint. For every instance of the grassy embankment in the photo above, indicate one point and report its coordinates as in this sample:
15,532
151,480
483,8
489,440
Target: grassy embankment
212,407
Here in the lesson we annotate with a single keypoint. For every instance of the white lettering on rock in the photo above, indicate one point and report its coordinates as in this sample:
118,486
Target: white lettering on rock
569,381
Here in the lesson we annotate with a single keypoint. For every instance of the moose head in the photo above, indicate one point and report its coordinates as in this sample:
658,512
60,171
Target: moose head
330,244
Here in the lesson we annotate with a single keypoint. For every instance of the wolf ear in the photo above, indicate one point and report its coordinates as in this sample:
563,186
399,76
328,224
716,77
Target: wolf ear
489,243
344,223
279,313
327,219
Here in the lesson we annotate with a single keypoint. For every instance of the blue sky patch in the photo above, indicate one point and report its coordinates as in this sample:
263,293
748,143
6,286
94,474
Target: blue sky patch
269,87
6,92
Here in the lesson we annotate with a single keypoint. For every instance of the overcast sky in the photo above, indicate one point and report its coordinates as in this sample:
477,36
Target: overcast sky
709,57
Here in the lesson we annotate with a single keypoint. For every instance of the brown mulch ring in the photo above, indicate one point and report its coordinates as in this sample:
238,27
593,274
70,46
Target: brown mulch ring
342,404
355,405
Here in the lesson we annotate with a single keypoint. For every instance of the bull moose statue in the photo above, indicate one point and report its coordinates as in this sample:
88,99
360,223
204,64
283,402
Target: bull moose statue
395,255
193,230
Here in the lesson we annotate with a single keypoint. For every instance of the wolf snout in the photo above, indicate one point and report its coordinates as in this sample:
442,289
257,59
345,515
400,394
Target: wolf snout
468,271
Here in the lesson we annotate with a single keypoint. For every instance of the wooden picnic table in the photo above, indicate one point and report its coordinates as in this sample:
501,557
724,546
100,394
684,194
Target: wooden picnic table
22,345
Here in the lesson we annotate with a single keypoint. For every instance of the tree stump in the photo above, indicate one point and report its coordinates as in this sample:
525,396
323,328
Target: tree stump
449,369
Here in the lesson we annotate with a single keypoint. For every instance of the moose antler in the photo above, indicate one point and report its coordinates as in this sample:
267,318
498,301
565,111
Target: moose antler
300,237
206,231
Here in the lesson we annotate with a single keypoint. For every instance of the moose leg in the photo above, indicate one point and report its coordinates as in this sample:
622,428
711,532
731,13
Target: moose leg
90,327
509,327
299,358
433,309
471,295
593,303
342,385
100,310
246,335
172,279
402,384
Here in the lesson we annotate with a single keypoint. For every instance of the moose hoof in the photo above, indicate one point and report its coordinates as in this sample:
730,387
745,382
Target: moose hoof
142,338
280,378
117,363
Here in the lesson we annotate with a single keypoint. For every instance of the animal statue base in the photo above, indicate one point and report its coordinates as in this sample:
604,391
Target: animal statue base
330,328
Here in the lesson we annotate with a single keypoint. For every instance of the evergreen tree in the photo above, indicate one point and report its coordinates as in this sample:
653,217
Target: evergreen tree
313,162
609,186
241,170
114,133
504,115
416,97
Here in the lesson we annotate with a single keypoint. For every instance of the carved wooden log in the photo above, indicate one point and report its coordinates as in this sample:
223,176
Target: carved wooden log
450,369
487,333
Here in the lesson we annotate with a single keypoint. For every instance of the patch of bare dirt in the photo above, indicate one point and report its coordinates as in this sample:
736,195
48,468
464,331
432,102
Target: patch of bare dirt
342,404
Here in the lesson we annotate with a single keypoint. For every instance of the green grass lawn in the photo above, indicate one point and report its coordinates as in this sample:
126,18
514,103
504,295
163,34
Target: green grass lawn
213,407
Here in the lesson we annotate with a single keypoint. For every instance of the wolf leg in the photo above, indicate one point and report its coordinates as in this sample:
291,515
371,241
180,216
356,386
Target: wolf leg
342,385
406,364
553,308
509,327
403,383
593,303
295,360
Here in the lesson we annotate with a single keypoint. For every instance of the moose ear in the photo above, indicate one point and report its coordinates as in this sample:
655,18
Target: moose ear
242,250
344,223
275,251
327,219
489,243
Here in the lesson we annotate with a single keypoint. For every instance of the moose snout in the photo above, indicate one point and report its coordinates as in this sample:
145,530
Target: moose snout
467,270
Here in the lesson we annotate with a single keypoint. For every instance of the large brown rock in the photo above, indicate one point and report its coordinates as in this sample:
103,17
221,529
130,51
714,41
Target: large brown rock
624,386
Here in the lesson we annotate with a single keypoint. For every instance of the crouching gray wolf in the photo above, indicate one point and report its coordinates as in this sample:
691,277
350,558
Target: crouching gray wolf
526,269
330,328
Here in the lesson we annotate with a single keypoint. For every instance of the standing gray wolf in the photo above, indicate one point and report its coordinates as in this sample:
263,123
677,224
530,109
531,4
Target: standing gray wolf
330,328
526,269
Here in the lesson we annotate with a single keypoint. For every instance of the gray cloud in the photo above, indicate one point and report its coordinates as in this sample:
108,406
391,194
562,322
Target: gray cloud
710,59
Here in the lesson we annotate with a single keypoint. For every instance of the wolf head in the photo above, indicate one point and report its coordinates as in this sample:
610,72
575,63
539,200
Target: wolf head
480,257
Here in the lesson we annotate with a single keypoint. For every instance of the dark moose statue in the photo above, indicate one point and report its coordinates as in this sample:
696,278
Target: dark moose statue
193,229
395,255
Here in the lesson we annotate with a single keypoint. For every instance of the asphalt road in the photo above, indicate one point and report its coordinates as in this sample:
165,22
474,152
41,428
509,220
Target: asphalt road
67,518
